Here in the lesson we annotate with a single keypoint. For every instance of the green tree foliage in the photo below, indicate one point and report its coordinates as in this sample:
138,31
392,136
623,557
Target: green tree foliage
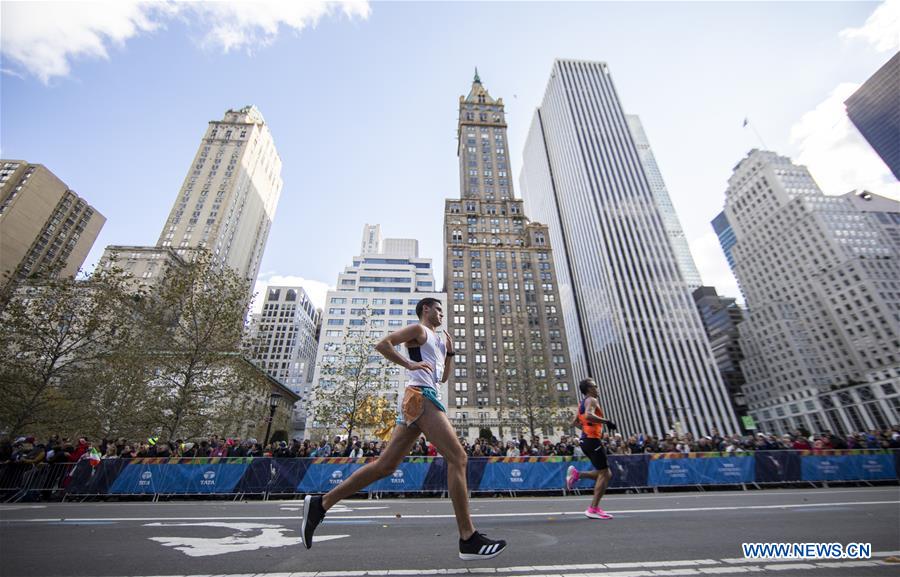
352,380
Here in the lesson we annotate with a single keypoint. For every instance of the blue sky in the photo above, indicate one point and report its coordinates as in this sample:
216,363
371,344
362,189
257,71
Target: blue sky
362,103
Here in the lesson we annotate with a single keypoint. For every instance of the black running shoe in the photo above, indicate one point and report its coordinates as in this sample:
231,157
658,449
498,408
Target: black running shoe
480,547
313,513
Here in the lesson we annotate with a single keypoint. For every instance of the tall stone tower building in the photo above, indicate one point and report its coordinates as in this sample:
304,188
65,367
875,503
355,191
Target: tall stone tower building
512,366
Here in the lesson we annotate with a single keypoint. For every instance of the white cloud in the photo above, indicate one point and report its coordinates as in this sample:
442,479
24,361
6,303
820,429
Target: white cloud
316,290
881,29
236,25
837,155
44,38
714,269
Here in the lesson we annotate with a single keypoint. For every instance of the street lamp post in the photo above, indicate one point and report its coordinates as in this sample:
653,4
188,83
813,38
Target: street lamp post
274,398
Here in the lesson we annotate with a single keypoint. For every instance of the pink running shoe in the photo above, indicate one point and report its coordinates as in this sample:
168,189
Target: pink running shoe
571,477
597,513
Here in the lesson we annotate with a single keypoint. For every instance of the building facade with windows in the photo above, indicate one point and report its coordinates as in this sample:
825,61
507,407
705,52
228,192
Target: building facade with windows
376,295
875,110
504,306
283,340
666,209
820,276
227,201
45,227
721,317
725,234
631,320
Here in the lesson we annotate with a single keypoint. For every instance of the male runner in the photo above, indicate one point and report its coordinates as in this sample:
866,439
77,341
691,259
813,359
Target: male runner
590,420
419,412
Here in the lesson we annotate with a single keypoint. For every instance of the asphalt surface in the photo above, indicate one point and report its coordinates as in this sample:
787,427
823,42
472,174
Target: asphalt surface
651,534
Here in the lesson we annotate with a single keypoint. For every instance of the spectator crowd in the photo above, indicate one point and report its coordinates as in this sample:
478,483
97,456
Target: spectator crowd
28,450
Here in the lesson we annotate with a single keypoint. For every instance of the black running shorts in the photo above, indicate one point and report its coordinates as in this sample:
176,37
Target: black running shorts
593,450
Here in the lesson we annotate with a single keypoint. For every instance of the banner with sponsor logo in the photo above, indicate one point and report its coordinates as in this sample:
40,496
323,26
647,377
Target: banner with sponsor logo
672,469
267,475
409,476
874,467
627,471
149,476
733,470
826,467
326,473
522,474
668,469
847,465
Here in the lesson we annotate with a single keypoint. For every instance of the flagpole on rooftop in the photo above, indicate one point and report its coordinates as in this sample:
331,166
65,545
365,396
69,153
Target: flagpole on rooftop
753,128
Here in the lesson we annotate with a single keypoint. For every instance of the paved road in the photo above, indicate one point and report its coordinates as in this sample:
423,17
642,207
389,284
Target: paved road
651,535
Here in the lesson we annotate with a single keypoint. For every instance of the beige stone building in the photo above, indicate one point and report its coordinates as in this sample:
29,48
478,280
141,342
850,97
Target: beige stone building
512,366
44,226
226,203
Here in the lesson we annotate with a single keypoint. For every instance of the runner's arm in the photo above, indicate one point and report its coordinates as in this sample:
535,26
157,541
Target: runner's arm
591,412
448,358
408,334
576,422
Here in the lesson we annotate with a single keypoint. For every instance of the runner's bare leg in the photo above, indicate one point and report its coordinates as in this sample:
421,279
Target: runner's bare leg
436,426
402,440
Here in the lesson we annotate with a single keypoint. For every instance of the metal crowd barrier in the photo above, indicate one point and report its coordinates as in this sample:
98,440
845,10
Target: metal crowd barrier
24,481
266,476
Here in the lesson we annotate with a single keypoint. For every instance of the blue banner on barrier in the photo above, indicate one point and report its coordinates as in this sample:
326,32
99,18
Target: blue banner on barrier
679,471
701,471
827,467
88,480
323,477
407,477
288,474
777,466
725,470
524,476
188,479
875,467
628,470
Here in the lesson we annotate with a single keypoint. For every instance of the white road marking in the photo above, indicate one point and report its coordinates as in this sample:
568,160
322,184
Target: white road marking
482,515
247,537
646,569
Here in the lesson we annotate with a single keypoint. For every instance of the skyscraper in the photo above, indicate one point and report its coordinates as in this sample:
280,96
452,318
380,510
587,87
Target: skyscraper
228,198
875,110
284,344
631,320
376,295
666,210
512,364
822,336
44,226
723,230
721,317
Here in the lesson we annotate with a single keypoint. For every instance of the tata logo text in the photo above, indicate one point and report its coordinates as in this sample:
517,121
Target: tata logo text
146,477
397,477
515,476
336,478
209,478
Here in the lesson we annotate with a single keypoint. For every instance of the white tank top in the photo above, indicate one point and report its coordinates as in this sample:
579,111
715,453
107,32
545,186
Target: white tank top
432,351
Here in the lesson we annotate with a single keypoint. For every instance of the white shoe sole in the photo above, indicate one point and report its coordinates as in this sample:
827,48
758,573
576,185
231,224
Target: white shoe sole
306,503
595,516
476,556
571,481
